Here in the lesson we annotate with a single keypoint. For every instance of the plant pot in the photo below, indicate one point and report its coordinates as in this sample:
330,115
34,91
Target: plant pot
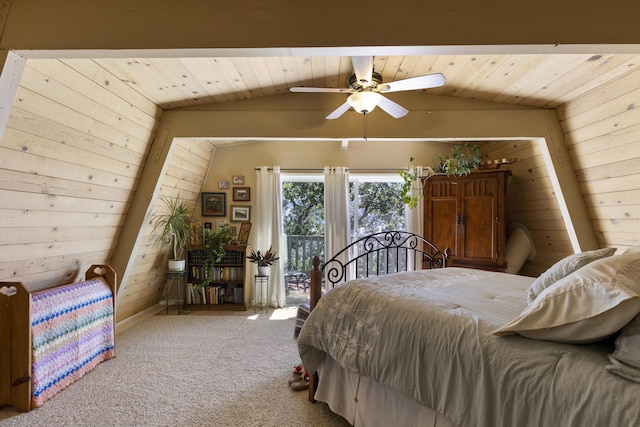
263,271
176,265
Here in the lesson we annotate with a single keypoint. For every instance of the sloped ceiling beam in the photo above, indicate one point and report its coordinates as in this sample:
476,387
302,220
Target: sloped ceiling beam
195,24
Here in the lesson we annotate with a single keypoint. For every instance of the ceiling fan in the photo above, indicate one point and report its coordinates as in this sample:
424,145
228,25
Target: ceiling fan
366,87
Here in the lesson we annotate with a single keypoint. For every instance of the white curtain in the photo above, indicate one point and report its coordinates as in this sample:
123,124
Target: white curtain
268,232
337,233
414,217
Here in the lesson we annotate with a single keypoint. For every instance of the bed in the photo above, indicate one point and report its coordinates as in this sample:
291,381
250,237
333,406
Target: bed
52,337
463,347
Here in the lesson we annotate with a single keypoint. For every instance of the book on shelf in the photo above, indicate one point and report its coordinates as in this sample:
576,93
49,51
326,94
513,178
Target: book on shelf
189,296
227,274
212,293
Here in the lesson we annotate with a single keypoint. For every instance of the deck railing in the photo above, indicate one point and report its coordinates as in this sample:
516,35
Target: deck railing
301,250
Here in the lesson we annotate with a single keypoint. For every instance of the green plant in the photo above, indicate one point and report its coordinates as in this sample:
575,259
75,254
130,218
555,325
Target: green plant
410,195
263,259
174,225
214,250
463,158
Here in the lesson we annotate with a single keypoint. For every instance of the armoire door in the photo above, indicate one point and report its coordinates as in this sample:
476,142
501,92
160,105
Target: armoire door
479,219
467,215
441,208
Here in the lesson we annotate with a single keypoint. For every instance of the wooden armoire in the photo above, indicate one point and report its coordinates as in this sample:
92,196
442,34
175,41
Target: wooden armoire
467,215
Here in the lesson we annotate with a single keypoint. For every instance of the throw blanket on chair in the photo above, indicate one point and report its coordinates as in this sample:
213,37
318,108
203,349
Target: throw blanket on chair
72,332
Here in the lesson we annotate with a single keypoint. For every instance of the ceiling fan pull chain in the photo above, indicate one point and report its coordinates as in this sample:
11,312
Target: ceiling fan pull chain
365,126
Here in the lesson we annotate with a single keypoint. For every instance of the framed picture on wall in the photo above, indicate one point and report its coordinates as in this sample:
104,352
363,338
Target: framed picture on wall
240,213
214,204
238,179
241,194
223,184
243,237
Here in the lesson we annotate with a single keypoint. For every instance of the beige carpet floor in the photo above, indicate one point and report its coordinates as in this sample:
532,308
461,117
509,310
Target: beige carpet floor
190,370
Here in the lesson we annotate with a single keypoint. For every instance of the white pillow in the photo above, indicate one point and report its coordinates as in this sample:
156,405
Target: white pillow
626,357
588,305
563,268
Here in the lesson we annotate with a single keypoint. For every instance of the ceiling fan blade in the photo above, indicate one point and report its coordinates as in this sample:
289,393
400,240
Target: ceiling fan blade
394,109
339,111
422,82
319,89
363,69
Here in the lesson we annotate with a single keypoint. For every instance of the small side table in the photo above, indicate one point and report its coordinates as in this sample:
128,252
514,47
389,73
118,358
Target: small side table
263,281
178,277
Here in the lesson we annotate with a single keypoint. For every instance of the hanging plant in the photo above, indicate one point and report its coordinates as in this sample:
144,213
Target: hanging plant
409,193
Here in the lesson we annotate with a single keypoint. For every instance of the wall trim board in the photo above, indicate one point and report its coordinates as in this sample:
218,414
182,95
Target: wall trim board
131,321
12,66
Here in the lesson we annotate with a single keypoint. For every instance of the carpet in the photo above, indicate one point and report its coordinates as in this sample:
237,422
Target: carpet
191,370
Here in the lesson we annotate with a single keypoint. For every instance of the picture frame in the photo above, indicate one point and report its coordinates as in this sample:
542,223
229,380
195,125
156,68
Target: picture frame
207,225
223,184
240,213
220,223
233,230
243,236
238,179
214,204
241,194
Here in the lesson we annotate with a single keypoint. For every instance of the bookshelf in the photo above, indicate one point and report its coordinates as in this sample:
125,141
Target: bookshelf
228,289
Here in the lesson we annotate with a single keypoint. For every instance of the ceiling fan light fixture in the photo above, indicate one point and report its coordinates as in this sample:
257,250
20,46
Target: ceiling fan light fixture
364,102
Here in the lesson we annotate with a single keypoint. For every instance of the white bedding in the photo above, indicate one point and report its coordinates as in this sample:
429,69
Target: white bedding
364,402
428,334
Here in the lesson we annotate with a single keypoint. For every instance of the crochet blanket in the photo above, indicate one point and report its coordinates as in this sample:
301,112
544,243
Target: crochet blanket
72,332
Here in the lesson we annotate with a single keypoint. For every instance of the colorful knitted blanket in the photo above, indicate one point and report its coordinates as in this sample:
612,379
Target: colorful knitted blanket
72,332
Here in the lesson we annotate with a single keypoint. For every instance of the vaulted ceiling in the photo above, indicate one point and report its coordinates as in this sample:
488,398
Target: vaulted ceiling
539,80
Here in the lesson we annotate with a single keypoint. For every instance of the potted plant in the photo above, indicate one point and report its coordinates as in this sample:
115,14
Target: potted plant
175,228
463,158
263,260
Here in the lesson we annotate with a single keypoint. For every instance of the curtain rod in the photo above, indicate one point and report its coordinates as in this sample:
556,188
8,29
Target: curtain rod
322,170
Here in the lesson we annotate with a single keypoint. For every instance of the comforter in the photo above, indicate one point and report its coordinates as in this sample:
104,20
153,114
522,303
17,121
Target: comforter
428,334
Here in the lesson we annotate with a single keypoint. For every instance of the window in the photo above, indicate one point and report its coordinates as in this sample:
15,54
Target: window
376,200
303,220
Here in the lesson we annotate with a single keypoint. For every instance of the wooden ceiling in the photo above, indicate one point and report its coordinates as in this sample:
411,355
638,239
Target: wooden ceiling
539,80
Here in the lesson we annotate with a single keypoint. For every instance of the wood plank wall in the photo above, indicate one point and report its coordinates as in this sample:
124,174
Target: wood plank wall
602,131
77,139
184,178
70,159
532,202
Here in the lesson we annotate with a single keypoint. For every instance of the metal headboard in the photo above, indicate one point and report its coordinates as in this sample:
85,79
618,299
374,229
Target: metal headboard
383,253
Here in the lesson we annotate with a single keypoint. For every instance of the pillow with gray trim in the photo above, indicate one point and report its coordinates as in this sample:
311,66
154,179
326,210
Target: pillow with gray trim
563,268
592,303
625,360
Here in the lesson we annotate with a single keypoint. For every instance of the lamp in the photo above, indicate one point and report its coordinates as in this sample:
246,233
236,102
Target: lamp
364,102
